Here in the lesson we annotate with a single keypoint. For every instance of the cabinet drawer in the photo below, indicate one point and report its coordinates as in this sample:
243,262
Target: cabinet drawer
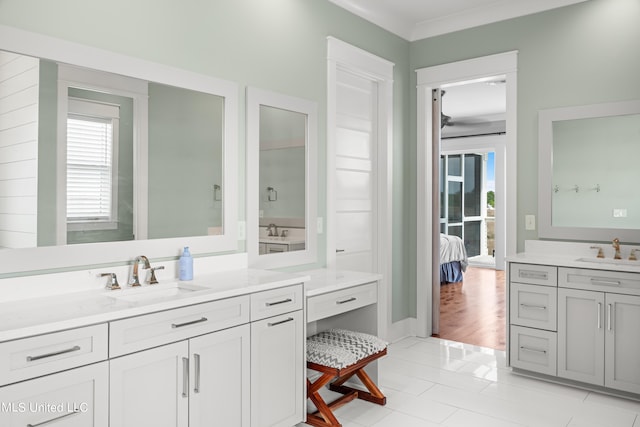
276,301
44,354
151,330
533,306
78,397
534,350
534,274
332,303
599,280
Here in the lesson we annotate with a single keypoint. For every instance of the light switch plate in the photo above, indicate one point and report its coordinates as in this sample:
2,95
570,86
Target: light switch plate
530,222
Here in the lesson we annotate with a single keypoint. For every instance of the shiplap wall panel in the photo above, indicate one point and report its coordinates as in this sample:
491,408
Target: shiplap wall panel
19,103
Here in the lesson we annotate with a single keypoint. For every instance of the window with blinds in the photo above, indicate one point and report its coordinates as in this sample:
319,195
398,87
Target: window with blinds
92,130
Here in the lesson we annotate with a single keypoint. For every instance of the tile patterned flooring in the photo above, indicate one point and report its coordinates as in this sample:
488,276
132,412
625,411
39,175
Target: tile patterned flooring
434,382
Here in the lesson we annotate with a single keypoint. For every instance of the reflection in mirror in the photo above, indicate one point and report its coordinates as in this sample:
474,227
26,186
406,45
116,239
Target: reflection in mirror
588,172
37,144
282,182
94,185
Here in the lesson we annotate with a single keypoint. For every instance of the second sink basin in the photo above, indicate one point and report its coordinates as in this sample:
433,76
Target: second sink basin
153,292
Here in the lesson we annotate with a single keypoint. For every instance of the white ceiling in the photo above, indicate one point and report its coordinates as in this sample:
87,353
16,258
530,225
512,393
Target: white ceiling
420,19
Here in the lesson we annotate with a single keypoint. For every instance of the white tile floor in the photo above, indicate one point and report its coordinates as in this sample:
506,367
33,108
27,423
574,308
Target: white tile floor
434,382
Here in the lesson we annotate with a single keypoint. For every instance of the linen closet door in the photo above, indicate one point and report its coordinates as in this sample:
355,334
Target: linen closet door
355,172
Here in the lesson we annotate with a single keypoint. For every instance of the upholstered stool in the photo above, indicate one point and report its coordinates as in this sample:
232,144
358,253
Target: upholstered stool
340,354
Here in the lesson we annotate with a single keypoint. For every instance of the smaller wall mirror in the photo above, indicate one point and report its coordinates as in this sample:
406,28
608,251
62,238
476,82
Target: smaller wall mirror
281,179
588,173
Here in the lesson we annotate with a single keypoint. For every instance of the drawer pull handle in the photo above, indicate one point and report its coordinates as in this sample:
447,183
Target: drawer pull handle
196,360
284,301
55,353
185,377
530,274
533,350
605,282
533,307
53,420
346,300
290,319
193,322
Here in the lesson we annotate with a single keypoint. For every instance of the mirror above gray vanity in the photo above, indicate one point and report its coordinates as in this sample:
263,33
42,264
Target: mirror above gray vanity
282,179
589,178
173,181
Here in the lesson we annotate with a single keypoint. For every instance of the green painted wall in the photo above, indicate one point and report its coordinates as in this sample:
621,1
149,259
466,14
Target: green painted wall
283,169
277,45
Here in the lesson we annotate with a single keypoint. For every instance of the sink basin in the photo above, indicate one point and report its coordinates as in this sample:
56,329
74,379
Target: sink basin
153,292
609,261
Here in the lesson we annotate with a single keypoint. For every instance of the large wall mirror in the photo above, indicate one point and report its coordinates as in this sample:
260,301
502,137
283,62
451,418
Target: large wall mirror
588,172
282,179
106,157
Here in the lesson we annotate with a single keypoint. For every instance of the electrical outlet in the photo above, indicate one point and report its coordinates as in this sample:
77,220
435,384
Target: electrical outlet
530,222
619,213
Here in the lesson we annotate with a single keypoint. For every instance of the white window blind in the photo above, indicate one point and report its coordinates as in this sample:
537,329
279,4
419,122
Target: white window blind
91,162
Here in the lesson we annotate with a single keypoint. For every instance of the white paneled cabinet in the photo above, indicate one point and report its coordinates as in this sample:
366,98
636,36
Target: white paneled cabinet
75,398
598,338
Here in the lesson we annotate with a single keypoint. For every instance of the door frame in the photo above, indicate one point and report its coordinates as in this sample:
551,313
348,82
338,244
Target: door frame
428,79
343,56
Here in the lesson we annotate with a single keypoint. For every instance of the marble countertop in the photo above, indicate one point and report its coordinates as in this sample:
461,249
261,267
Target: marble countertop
34,316
324,280
575,255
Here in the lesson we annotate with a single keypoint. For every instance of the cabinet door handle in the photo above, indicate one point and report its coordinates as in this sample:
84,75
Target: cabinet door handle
54,353
605,282
599,315
290,319
284,301
533,307
344,301
193,322
609,327
530,274
533,350
53,420
196,361
185,377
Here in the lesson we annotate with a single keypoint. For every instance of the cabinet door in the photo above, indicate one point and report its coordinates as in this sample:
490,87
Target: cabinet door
220,380
150,388
277,371
74,398
622,370
581,335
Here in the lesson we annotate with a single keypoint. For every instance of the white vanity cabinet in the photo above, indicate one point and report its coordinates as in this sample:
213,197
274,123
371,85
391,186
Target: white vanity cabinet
579,324
598,331
199,380
277,358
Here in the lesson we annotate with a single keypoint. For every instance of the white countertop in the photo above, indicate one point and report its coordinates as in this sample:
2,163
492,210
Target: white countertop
567,254
326,280
34,316
282,240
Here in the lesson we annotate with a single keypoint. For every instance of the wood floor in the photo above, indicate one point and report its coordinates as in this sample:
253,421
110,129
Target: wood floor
473,311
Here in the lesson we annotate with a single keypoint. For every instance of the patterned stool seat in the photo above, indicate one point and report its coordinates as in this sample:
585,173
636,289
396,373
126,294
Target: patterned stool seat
339,348
340,354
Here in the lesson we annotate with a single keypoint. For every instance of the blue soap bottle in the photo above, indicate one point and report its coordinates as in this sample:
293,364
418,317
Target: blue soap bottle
185,271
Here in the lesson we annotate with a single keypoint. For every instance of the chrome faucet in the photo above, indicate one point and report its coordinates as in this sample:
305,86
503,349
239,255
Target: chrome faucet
272,230
134,279
616,246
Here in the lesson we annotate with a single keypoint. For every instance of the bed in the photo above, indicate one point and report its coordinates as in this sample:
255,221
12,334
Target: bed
453,259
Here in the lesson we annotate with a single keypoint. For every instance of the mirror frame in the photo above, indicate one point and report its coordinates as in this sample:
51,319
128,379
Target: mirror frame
256,98
546,118
73,256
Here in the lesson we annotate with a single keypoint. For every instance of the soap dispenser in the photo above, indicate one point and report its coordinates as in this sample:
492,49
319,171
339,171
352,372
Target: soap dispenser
185,271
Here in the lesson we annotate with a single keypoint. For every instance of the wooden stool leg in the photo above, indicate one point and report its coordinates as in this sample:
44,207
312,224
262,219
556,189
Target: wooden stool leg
374,395
324,416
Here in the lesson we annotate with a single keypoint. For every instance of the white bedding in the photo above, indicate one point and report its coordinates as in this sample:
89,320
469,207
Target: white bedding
452,249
